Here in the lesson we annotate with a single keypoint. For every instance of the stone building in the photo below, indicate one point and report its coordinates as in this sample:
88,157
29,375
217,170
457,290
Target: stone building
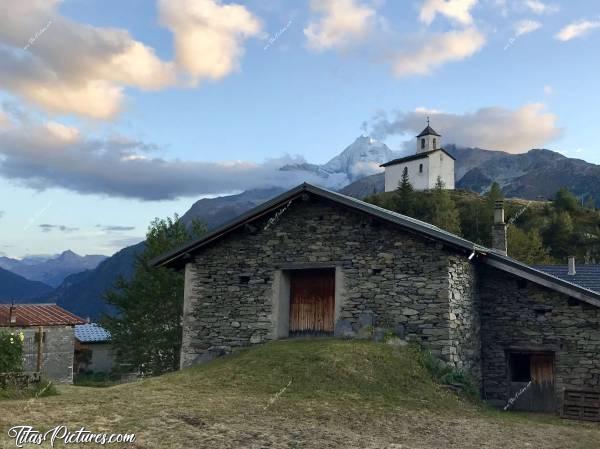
313,261
424,168
48,347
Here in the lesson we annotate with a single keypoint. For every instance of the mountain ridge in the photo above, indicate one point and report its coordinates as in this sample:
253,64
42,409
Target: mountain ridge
51,270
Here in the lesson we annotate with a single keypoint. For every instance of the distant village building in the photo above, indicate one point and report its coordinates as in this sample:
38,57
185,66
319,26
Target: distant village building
93,349
49,342
315,262
430,163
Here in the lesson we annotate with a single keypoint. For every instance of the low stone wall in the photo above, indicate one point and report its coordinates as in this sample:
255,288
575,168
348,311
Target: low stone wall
387,281
522,315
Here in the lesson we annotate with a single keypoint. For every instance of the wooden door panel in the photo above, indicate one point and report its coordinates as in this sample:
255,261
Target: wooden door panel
312,301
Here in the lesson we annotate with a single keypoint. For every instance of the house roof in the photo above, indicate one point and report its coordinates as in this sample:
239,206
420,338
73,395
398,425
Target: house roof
91,333
429,131
415,157
37,315
180,256
587,276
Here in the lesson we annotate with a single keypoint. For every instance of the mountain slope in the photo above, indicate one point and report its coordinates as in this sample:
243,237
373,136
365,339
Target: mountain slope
216,211
51,270
83,293
19,289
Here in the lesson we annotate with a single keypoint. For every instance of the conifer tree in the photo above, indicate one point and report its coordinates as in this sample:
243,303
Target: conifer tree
405,197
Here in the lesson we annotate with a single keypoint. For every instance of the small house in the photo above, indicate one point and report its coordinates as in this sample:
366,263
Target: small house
315,262
49,342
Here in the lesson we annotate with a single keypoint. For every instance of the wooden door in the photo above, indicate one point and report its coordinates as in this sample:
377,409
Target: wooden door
312,302
540,396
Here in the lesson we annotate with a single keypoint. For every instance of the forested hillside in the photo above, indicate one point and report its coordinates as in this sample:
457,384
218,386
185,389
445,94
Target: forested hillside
538,231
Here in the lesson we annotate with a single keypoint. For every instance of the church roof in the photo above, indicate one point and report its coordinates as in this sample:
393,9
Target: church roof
429,131
414,157
178,257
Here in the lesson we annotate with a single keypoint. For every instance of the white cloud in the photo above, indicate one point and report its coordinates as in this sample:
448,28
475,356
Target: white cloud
456,10
53,155
67,67
539,7
577,29
341,23
492,128
209,36
548,89
436,50
526,26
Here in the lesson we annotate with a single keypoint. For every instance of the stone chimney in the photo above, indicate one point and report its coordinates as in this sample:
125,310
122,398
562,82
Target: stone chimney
572,271
499,229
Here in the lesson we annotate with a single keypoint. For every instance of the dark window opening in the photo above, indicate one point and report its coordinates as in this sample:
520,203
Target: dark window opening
244,279
434,144
377,270
420,168
520,367
422,143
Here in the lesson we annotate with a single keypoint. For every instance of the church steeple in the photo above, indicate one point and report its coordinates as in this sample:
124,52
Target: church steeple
428,140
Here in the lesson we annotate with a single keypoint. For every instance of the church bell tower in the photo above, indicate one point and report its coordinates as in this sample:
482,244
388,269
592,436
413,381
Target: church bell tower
428,140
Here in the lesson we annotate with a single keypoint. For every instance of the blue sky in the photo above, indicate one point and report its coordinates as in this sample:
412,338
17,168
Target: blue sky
113,113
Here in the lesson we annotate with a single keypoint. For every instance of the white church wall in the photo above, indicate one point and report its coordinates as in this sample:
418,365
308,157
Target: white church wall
419,180
441,165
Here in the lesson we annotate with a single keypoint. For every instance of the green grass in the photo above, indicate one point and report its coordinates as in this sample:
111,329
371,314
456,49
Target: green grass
343,394
326,369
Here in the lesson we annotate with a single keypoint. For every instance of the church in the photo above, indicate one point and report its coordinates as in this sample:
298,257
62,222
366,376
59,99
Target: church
430,163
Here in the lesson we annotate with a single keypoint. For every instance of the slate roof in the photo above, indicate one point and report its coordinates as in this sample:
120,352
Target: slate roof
429,131
587,276
415,157
37,315
178,257
91,333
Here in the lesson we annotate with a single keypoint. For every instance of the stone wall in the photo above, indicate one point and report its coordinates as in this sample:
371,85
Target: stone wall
521,315
387,280
57,352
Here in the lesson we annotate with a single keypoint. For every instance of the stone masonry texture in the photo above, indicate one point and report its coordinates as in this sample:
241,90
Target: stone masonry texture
393,282
522,315
57,352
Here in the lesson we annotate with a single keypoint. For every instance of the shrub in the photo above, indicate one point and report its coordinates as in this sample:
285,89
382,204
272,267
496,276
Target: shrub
11,351
39,389
447,375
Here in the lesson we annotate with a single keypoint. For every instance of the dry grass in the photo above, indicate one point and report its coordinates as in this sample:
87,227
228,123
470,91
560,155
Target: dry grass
342,395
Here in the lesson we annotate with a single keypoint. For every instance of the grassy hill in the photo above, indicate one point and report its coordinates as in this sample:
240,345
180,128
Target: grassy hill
343,394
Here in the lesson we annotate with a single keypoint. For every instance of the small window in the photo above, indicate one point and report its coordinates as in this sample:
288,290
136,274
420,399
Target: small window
422,143
420,168
434,143
244,279
520,367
